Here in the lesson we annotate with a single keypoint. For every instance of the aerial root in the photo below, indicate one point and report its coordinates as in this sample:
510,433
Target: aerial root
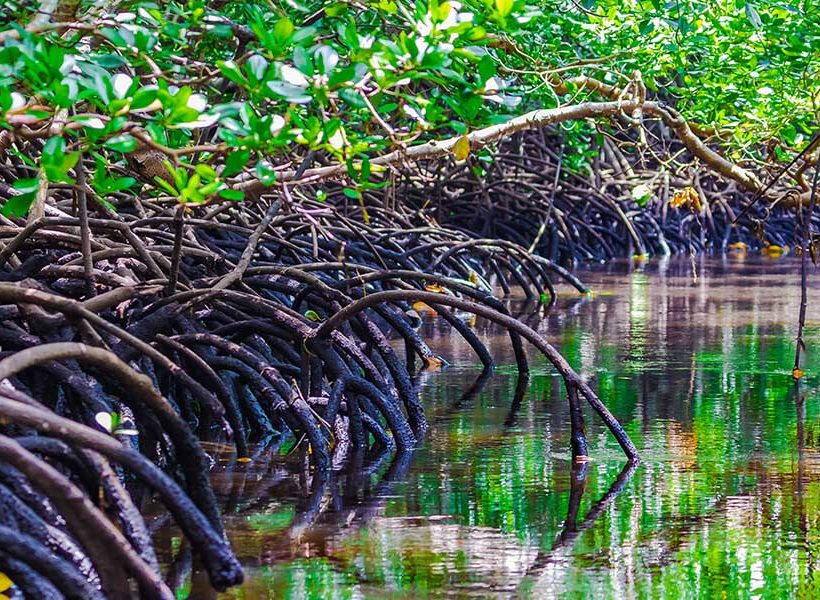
243,327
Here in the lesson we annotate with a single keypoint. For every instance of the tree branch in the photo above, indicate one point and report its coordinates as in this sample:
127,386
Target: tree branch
534,120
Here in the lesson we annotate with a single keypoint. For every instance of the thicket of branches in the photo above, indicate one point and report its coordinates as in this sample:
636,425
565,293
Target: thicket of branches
217,218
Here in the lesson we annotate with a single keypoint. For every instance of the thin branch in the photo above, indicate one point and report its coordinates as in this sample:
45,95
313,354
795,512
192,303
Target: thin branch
85,230
247,254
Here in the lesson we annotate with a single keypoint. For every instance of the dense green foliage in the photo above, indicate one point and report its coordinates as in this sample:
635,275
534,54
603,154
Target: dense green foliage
227,91
751,67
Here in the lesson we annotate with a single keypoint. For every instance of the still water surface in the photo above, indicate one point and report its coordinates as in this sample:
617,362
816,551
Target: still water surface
726,502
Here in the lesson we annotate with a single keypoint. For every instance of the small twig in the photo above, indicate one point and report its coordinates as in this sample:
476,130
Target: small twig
548,213
176,257
85,230
806,243
760,194
247,254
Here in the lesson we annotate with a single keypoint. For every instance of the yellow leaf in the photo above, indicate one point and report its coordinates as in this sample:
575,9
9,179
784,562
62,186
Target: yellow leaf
740,246
504,7
424,308
694,201
686,197
461,149
5,582
433,362
244,459
678,200
797,373
773,250
443,11
434,287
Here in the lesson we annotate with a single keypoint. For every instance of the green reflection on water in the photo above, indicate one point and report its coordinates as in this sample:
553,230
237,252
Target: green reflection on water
725,504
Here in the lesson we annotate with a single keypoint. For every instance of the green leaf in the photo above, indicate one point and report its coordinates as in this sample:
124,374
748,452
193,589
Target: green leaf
210,188
18,206
143,97
206,172
53,148
56,162
230,70
119,184
265,173
337,8
283,30
166,186
229,194
486,69
122,143
347,76
641,194
110,61
289,92
753,16
256,67
235,162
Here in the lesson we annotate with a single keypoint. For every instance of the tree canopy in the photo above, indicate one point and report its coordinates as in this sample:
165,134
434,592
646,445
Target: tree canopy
198,99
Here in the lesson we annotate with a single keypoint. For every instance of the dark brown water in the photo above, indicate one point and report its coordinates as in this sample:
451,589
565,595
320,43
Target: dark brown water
726,502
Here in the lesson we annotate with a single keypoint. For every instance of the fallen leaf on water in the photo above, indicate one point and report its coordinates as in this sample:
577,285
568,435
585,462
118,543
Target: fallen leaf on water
774,251
435,362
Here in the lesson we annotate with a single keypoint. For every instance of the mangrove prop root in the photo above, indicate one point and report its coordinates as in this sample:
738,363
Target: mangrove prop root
127,340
